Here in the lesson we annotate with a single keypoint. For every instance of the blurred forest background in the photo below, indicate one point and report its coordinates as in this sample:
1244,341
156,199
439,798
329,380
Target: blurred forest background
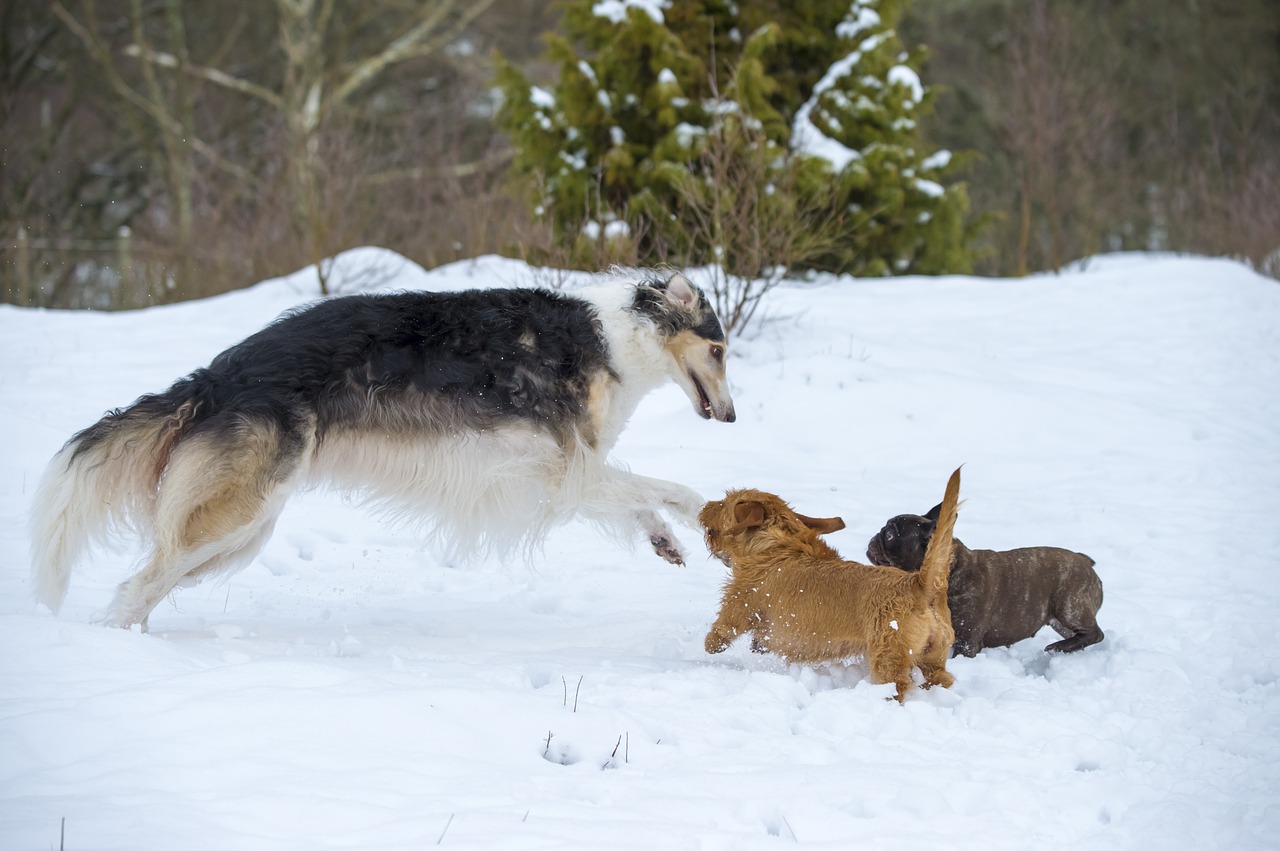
159,150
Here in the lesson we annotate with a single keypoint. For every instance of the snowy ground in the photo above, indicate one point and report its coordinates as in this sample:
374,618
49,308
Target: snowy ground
348,690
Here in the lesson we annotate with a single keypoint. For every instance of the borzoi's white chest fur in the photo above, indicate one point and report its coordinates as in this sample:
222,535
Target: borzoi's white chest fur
637,357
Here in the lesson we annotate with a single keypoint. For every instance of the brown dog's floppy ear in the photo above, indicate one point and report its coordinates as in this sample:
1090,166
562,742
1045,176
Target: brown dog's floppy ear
749,515
822,525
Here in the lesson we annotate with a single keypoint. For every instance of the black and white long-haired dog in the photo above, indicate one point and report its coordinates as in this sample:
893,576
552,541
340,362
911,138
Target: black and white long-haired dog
488,415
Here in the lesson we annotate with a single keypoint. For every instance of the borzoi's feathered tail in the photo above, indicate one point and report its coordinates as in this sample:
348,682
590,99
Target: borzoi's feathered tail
100,484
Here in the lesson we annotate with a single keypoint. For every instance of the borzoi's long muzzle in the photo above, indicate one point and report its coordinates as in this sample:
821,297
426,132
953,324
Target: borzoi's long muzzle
702,376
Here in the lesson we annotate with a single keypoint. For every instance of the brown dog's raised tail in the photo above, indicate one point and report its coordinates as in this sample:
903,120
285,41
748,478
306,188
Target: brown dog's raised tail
936,567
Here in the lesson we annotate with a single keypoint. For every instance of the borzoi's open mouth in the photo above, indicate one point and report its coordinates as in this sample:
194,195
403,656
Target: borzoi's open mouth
704,401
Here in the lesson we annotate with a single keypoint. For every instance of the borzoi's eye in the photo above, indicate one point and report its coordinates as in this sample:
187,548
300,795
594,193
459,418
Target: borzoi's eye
717,353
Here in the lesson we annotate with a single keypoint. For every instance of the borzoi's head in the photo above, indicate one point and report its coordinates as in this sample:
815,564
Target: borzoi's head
692,336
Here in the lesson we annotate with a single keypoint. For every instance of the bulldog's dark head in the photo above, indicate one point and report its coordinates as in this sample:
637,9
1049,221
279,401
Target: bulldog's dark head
902,541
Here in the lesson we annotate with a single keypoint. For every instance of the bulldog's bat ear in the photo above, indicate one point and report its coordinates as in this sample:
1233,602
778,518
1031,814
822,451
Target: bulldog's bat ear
932,513
750,515
822,525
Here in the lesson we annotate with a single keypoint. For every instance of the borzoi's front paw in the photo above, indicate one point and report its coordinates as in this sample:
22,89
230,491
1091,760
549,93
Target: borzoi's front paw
661,538
666,546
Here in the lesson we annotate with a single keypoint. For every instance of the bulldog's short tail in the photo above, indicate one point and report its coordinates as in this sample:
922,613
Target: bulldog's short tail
936,567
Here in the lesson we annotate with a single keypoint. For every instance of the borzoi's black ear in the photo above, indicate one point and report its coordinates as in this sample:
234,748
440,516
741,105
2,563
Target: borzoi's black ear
681,292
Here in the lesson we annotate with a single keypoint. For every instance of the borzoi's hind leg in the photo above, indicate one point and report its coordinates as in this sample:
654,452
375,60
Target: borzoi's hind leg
231,562
223,563
216,507
138,595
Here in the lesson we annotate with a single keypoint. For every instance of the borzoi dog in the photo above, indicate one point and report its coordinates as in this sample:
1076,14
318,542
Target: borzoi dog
487,415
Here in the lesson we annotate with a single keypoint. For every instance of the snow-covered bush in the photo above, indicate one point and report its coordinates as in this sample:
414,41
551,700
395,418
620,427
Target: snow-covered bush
658,102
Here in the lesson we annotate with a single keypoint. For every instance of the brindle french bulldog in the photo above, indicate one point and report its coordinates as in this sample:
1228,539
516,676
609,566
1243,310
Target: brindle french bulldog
999,598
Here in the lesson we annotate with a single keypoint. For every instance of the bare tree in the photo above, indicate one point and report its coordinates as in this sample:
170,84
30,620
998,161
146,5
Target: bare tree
320,71
313,88
1057,120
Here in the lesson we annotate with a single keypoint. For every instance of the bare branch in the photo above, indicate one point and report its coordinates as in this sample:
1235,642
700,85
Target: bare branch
409,45
102,56
212,75
468,169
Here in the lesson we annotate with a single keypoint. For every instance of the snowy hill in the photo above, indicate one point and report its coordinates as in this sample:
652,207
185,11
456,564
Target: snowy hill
350,690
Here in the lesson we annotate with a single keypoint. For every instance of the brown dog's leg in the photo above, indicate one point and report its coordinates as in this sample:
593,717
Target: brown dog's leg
892,665
729,625
719,637
933,664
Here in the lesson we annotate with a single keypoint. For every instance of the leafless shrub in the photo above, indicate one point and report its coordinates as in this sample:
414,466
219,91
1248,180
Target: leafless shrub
748,219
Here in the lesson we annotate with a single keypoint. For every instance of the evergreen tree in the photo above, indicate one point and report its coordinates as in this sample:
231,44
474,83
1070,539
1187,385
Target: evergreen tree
659,103
862,120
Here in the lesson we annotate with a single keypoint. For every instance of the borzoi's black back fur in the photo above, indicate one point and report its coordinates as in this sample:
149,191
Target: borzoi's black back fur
420,362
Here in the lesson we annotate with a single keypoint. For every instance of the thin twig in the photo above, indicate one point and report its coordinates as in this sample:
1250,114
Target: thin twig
575,694
794,838
450,821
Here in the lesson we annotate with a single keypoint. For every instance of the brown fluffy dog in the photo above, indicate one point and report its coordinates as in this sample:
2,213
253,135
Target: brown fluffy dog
799,599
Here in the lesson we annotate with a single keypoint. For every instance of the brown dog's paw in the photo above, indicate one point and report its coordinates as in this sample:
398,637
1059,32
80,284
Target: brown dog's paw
668,549
939,678
717,642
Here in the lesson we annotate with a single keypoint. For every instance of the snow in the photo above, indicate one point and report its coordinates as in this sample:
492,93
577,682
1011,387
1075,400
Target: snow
541,98
616,10
350,690
859,19
905,75
806,138
686,134
929,187
936,160
616,229
574,160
